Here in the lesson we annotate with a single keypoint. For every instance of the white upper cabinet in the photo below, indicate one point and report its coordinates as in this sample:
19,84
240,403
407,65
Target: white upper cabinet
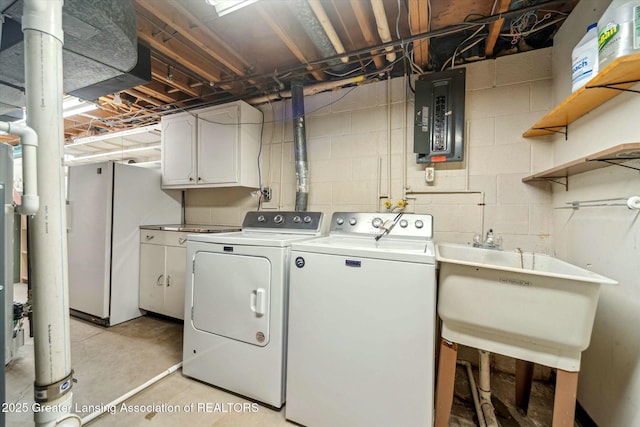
211,147
178,150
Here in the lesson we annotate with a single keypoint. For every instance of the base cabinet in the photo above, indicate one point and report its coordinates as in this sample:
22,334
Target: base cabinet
163,257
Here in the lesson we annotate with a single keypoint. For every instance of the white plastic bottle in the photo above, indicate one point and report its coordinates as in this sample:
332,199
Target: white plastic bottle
618,31
584,58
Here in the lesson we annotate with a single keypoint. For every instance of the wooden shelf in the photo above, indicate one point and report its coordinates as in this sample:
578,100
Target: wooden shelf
623,73
593,161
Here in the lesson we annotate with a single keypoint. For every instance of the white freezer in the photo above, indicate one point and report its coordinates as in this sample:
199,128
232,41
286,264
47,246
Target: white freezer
107,204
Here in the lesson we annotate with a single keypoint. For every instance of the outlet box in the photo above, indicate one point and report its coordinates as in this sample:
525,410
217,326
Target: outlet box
266,194
429,174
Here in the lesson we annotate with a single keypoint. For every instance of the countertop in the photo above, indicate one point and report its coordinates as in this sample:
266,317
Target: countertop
192,228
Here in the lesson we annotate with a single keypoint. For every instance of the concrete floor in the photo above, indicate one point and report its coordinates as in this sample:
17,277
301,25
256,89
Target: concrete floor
109,362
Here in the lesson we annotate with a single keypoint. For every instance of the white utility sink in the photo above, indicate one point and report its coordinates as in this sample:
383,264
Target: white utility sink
526,305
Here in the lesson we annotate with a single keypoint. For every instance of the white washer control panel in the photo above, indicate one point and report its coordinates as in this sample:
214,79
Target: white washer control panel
375,223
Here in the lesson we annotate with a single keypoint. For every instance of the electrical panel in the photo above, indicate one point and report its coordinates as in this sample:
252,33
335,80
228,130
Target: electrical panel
438,133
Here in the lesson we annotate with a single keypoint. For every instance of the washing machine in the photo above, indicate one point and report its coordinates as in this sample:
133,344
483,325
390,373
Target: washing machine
235,328
362,313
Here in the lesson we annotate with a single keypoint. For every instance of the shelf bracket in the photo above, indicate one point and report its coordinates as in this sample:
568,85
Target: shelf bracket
556,180
557,129
613,86
611,162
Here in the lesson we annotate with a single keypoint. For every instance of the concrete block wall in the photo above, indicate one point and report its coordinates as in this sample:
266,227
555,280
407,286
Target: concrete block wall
360,152
602,239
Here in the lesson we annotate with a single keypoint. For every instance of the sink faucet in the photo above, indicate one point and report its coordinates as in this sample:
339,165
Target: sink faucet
491,241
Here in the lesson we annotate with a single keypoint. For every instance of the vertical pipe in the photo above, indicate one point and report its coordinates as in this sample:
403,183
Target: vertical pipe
3,296
43,39
484,386
8,259
300,146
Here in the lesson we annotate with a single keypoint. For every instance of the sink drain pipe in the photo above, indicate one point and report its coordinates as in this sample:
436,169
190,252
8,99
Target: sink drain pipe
474,392
484,374
300,146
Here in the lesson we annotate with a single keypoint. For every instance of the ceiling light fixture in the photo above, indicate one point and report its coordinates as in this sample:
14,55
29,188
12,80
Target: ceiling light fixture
224,7
72,106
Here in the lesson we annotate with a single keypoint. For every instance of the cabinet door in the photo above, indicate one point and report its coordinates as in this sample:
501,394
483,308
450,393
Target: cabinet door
176,258
179,150
152,277
219,145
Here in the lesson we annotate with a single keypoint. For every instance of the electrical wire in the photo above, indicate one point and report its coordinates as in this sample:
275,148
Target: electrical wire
452,59
258,160
361,68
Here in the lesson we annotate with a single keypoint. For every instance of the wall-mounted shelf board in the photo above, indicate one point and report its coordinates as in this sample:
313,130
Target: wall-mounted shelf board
593,161
621,74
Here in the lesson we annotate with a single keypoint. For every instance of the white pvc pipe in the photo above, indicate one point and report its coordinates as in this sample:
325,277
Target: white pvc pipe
474,392
485,389
383,27
43,40
29,141
114,403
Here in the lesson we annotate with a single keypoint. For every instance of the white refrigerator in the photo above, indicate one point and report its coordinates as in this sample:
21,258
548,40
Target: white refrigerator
107,203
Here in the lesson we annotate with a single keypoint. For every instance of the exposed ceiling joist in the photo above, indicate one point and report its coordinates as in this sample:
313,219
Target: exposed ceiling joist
495,27
367,31
286,39
419,22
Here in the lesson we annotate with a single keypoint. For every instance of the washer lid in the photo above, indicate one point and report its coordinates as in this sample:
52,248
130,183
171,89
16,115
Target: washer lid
420,251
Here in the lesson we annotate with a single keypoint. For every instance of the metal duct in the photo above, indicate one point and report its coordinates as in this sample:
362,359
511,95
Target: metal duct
300,146
305,15
100,43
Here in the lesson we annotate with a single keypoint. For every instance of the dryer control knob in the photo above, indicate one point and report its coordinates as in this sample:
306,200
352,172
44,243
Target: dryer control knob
377,222
339,221
261,218
278,219
307,219
419,223
353,221
296,219
404,223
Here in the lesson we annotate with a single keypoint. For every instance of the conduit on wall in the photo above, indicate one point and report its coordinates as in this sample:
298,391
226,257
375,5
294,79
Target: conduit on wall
300,146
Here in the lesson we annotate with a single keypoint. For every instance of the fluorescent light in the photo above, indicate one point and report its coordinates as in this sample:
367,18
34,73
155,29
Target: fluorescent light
72,106
151,147
224,7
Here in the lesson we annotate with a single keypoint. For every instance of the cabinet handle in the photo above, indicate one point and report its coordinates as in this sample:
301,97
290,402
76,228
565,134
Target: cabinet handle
199,179
190,178
160,280
149,237
168,281
181,240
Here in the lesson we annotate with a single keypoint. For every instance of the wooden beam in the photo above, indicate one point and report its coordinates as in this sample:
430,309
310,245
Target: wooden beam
288,41
180,81
367,32
137,93
420,24
191,28
177,51
158,90
495,27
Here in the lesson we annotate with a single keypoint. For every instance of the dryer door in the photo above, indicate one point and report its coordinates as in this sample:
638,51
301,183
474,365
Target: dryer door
231,295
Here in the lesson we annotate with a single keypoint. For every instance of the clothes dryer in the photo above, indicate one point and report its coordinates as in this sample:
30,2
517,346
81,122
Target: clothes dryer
235,328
